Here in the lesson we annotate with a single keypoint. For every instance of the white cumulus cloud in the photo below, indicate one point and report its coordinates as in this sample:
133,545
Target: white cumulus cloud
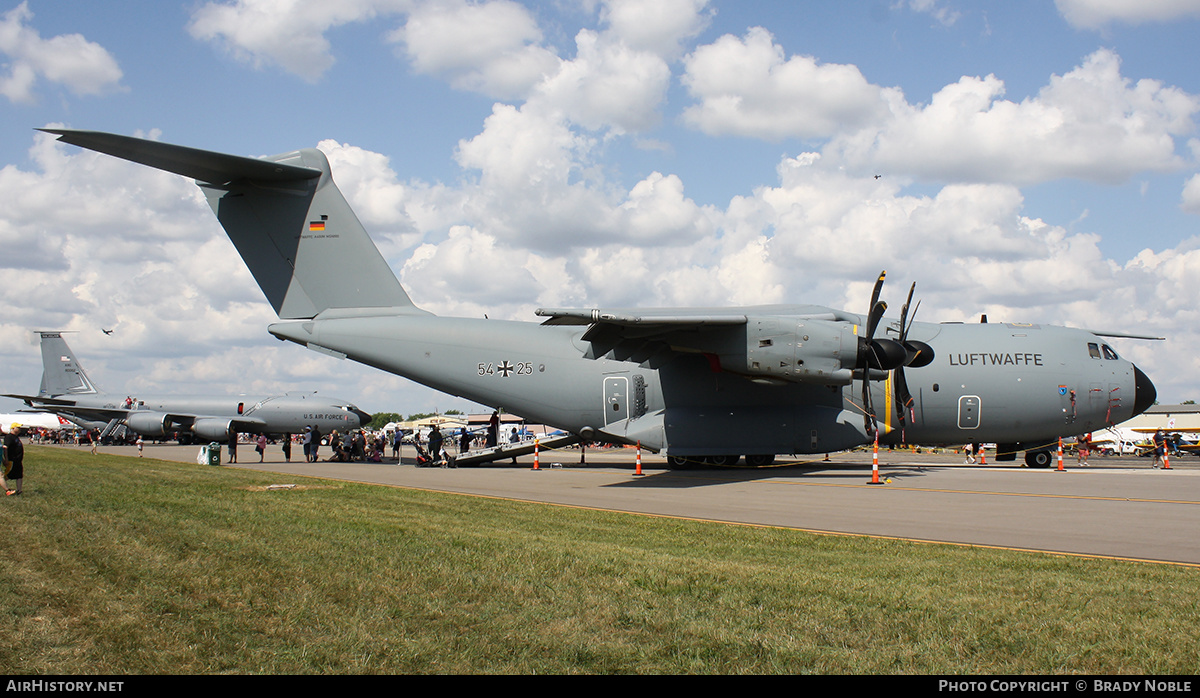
286,33
748,87
1094,14
1091,123
493,48
70,60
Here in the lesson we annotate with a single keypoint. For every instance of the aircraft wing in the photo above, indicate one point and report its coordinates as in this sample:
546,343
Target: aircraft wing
633,318
139,419
648,337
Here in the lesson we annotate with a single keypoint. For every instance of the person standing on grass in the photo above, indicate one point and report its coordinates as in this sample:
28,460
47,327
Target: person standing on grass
14,456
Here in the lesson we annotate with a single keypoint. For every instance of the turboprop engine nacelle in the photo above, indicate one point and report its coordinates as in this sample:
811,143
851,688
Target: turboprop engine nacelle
148,423
797,350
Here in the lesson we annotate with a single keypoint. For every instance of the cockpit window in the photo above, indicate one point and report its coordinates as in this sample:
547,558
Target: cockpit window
1094,350
1109,353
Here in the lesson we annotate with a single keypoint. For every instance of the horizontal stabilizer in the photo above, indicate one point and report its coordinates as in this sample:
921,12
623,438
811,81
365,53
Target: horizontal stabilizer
30,399
202,165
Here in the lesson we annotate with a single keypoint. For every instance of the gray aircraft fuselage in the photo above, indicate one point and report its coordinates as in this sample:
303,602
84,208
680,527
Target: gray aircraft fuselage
210,417
995,382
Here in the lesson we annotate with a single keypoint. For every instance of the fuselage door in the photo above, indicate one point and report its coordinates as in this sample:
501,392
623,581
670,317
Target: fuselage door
968,412
616,399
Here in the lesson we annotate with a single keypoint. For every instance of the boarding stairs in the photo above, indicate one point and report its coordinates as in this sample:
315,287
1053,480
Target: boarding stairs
513,450
115,428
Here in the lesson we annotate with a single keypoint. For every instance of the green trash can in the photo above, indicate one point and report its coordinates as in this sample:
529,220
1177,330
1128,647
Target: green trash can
214,453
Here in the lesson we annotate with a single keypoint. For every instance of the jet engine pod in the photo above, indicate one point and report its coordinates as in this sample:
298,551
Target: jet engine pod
212,429
148,423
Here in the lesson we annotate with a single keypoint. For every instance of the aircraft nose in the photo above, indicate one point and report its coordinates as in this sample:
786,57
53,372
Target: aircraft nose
364,419
1144,393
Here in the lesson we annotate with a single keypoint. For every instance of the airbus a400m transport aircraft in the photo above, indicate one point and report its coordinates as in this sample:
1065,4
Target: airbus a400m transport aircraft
67,391
696,383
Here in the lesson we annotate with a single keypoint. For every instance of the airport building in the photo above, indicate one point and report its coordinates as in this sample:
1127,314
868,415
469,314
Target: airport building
1166,417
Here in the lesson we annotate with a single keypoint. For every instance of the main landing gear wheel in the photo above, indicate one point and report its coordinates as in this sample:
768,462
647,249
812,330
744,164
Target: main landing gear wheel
757,461
680,462
722,460
1037,459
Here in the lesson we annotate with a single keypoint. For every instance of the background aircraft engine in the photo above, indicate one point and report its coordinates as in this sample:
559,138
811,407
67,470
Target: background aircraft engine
212,429
148,423
798,350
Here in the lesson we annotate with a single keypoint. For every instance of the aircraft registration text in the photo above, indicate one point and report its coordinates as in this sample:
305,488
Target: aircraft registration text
505,368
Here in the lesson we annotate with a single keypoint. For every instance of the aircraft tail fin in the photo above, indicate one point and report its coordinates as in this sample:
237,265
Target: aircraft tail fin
61,372
286,217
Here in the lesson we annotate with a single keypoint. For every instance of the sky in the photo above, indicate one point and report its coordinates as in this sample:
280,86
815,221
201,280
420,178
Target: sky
1032,161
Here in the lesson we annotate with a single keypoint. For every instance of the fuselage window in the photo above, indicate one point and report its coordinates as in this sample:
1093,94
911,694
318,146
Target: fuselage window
1109,353
1094,350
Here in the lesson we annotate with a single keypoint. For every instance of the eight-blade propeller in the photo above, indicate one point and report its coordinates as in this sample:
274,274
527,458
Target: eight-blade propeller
889,355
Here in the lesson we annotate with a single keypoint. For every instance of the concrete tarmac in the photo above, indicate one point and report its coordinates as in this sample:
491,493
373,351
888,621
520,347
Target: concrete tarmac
1118,507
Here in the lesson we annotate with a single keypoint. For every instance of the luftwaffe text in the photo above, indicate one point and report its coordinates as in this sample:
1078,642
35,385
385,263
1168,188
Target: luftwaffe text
1007,359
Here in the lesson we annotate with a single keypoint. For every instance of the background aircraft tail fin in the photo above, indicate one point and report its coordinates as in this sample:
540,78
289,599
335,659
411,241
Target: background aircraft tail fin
61,372
286,217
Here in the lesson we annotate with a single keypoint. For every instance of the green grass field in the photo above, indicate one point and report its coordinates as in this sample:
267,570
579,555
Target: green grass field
126,566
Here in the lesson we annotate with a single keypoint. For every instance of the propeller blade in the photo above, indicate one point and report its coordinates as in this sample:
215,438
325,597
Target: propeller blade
916,354
868,408
877,311
904,313
866,352
878,288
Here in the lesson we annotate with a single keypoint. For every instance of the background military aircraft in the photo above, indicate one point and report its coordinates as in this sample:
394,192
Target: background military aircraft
695,383
33,420
67,391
